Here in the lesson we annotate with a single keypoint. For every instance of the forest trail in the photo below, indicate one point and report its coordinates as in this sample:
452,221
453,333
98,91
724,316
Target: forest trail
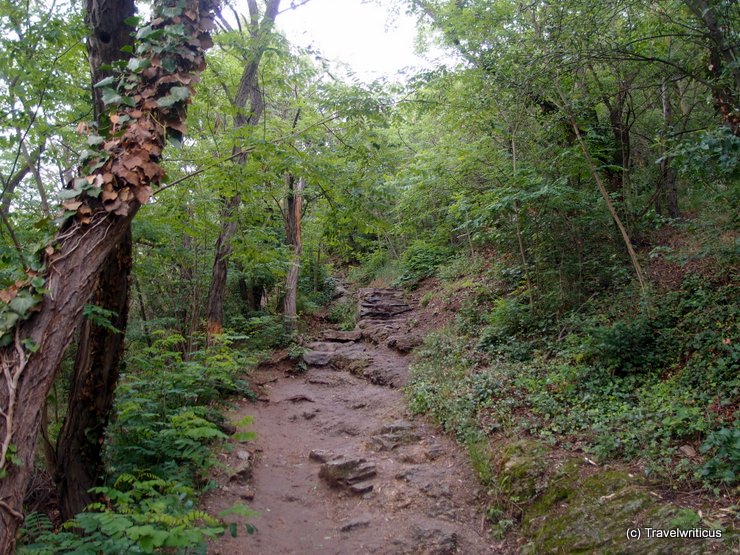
339,467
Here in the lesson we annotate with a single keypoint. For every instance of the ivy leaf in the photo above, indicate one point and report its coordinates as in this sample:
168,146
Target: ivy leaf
105,82
177,94
137,65
111,96
22,304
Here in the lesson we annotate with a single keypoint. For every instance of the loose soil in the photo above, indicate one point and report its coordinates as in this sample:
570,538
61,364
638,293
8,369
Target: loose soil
339,466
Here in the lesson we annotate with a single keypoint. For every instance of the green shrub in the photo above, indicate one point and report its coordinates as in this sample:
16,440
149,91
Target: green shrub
344,314
420,261
140,515
722,448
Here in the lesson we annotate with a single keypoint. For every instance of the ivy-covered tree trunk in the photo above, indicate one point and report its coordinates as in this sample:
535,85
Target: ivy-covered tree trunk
248,93
114,182
79,446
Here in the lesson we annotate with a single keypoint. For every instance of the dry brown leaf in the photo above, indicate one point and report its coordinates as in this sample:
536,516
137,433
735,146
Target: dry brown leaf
143,194
132,162
122,210
111,206
72,204
7,295
108,196
84,210
125,195
178,126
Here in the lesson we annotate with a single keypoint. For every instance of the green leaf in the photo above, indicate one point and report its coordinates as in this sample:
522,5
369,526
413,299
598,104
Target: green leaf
132,21
111,97
245,436
172,12
7,321
22,304
105,82
246,421
136,65
232,529
177,94
93,140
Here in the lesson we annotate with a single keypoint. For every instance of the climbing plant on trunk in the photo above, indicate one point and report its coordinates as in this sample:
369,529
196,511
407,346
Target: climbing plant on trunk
78,460
40,313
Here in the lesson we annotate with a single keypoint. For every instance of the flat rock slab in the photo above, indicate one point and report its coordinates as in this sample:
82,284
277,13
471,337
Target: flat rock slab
344,472
342,336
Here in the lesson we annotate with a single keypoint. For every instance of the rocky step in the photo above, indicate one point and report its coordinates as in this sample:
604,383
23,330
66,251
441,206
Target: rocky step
346,472
383,311
341,336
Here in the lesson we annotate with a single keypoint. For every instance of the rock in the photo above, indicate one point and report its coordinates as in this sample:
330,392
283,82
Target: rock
434,451
241,473
355,524
361,488
437,489
346,471
308,415
317,358
243,455
353,365
436,541
404,343
321,455
392,435
688,451
342,336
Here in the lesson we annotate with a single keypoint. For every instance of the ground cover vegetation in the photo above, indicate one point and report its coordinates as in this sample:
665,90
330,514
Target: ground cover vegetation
570,182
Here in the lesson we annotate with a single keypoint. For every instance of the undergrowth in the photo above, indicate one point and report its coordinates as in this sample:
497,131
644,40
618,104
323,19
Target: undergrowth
159,448
649,382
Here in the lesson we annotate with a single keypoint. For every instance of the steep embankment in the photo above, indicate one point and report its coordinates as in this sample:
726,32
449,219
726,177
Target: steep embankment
338,465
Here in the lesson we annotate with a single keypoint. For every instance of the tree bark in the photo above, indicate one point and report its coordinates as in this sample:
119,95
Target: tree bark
293,211
76,257
723,58
109,33
217,291
667,172
249,91
79,462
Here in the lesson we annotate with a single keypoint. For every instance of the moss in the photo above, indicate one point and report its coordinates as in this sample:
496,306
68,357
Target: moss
523,472
593,515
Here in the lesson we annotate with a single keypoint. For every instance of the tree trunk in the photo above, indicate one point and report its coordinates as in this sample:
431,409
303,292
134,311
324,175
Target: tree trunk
723,59
109,34
249,91
668,173
217,291
76,257
79,462
293,211
79,446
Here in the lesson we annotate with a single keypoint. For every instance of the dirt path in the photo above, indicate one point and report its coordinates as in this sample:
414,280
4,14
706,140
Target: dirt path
339,466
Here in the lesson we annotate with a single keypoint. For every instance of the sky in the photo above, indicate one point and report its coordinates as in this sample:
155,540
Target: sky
364,34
